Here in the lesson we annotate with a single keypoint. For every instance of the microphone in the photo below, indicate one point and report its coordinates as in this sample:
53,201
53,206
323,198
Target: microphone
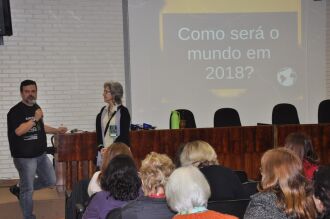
34,102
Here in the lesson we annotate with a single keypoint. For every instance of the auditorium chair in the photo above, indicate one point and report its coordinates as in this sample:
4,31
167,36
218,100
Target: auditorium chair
226,117
232,207
324,111
285,113
188,116
250,187
76,200
242,175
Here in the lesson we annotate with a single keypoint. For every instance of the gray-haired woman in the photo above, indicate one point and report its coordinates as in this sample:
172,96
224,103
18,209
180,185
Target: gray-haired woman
113,121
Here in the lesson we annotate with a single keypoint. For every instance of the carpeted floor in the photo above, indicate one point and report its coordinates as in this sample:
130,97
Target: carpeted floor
48,203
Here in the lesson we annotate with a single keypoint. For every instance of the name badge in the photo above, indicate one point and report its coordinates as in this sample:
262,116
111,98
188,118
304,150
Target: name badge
113,130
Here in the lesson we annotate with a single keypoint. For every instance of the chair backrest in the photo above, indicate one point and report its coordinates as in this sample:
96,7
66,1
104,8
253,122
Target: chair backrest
188,116
114,213
78,195
241,175
324,111
232,207
226,117
250,187
285,113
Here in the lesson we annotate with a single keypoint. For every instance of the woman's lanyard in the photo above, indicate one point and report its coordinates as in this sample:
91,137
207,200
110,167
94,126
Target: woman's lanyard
108,123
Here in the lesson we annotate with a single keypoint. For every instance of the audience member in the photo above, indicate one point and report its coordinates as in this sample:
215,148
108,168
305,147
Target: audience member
322,191
187,193
283,192
302,146
109,153
154,172
113,121
224,183
120,183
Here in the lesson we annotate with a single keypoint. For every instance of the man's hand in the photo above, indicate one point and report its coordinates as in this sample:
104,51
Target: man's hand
62,130
51,130
38,114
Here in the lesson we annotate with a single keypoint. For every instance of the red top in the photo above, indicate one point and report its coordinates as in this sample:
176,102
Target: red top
309,169
205,215
157,195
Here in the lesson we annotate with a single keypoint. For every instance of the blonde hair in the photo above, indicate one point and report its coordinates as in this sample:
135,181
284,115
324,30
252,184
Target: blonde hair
154,172
281,171
112,151
187,188
198,153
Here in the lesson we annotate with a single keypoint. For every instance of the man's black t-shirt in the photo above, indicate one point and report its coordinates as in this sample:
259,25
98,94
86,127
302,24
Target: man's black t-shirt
31,144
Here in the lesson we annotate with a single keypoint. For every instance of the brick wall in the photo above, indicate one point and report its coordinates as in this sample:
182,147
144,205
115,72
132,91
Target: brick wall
70,47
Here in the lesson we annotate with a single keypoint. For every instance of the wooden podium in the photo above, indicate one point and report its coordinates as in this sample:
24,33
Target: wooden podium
74,157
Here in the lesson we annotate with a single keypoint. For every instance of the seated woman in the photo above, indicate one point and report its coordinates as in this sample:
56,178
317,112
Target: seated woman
187,193
322,191
120,183
154,172
109,153
302,146
224,183
283,191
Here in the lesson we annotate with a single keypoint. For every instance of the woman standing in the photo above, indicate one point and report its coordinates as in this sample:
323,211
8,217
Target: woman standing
113,121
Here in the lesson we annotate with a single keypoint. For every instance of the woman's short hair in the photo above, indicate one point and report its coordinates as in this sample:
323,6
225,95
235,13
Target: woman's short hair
198,153
112,151
302,145
116,90
281,171
121,178
187,188
154,172
322,188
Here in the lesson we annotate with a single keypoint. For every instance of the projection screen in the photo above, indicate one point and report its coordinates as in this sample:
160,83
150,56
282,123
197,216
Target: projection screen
203,55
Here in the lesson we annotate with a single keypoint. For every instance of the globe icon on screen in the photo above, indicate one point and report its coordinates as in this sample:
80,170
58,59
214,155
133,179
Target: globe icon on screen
286,77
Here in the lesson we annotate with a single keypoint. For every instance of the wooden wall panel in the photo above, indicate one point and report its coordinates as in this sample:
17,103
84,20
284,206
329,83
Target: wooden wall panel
239,148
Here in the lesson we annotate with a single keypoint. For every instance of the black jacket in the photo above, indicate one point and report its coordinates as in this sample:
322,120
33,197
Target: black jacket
125,122
224,183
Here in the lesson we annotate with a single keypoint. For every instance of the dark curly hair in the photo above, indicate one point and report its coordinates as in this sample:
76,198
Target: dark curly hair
322,188
121,178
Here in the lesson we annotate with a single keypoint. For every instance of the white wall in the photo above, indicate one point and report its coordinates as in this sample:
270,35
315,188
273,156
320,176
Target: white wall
70,47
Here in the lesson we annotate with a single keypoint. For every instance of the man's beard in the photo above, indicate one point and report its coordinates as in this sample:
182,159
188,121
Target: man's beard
31,99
